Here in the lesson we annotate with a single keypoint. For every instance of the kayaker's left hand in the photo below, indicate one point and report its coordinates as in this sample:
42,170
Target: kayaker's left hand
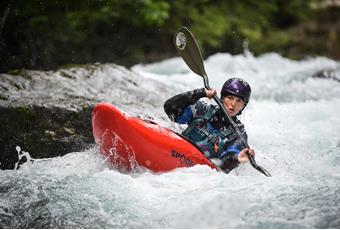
242,156
210,93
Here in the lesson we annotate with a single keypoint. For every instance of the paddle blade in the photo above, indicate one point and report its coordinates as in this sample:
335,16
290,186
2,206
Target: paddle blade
187,47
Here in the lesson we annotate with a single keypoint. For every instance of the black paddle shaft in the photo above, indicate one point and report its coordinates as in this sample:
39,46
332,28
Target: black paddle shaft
186,44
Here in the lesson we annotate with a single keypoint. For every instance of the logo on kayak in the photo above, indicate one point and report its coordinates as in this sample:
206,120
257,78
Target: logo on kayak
181,41
182,158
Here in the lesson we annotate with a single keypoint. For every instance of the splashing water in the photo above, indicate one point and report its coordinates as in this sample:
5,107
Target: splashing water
22,156
293,124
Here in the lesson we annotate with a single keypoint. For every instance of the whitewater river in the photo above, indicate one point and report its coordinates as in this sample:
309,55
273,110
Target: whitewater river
293,123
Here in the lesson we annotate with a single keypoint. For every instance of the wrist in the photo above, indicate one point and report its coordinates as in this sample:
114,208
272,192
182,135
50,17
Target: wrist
238,158
201,92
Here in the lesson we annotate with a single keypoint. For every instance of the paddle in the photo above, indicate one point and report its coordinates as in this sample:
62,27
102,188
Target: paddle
186,44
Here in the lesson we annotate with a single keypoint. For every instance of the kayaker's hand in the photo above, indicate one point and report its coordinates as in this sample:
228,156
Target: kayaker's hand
242,156
210,93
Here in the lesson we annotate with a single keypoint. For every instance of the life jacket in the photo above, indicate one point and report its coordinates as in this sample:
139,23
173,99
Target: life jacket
210,140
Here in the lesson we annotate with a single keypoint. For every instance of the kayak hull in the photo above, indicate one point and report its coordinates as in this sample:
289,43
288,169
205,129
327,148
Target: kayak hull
129,142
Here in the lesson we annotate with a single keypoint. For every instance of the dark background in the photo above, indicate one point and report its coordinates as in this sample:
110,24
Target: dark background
48,34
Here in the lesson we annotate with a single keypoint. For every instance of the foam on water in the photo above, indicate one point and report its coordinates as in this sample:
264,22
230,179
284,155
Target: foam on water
292,122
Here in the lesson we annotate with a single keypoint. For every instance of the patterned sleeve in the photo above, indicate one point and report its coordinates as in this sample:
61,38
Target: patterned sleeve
183,107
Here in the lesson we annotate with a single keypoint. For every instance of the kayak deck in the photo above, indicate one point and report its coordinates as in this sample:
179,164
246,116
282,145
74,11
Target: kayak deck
129,142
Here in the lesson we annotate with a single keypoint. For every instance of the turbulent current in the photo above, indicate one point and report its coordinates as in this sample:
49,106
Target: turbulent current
292,121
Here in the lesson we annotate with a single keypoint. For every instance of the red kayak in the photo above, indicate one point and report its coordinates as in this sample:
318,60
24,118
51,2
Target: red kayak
128,142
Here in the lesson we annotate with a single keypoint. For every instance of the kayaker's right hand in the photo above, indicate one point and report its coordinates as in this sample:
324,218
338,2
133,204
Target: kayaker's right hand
243,157
210,93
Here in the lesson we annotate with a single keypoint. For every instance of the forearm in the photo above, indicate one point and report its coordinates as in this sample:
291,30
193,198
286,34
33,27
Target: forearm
175,105
229,162
230,158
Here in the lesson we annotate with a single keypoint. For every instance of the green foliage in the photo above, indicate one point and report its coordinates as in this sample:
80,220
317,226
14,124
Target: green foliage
46,34
26,113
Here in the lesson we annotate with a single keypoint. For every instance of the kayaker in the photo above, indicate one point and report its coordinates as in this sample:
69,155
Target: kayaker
208,128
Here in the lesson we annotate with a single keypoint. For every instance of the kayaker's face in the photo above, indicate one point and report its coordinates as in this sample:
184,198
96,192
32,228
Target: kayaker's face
233,104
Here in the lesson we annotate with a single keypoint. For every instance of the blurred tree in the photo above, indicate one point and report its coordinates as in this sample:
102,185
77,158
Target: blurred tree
46,34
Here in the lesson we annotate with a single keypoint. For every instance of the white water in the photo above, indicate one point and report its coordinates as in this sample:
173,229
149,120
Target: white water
292,121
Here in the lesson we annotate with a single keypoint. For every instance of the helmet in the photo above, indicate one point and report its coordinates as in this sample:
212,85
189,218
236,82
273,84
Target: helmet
237,87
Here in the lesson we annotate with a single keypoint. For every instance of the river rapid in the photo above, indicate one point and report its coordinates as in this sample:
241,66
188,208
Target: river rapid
293,124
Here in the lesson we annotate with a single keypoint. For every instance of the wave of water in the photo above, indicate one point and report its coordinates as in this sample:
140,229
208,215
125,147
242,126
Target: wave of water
292,122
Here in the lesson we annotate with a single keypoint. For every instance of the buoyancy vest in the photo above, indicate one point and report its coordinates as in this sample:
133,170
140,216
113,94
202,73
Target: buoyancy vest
212,141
